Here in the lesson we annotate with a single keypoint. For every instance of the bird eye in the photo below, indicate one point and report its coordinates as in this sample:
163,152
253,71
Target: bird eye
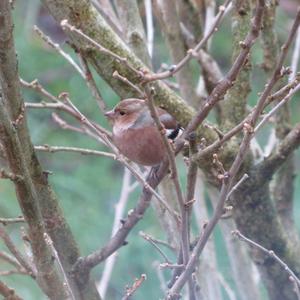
122,112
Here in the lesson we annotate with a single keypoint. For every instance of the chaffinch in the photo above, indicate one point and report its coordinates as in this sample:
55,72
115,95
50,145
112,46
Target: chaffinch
135,133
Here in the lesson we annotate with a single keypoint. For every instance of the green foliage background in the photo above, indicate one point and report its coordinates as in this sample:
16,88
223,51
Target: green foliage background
88,187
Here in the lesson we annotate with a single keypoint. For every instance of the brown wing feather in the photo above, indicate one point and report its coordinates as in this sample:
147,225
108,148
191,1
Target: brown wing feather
167,120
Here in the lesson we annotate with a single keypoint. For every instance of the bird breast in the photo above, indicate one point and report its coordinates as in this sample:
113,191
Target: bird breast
141,145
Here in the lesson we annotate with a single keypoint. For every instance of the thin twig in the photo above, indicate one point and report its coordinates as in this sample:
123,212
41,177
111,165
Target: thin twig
16,253
35,85
13,272
67,26
137,283
10,259
163,243
57,48
62,270
223,86
90,81
6,221
7,292
171,266
189,200
149,239
125,80
84,151
277,107
270,253
236,186
58,103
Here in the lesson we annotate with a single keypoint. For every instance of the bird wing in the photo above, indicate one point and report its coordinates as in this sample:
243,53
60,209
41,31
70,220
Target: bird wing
167,120
172,126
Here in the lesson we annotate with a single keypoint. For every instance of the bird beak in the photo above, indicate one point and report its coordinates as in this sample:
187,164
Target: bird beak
109,114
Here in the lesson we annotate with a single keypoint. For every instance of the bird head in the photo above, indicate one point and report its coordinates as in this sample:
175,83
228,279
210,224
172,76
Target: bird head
126,111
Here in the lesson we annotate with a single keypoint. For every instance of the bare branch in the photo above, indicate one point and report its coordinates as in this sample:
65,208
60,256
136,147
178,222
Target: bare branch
58,49
6,221
270,253
90,81
278,156
7,292
137,283
16,253
66,26
10,259
154,243
236,186
84,151
32,192
277,107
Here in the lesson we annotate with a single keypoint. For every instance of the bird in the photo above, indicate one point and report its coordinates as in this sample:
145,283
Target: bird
135,133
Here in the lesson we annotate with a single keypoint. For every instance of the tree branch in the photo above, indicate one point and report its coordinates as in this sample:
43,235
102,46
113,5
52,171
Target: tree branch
34,194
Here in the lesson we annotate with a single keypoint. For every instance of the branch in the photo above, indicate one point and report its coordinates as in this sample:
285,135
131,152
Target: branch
154,243
66,26
137,283
265,170
35,196
19,257
7,292
59,50
11,259
106,9
83,151
91,83
270,253
174,176
277,107
85,264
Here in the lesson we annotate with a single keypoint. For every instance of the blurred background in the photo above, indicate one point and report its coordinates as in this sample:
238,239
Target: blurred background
88,187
